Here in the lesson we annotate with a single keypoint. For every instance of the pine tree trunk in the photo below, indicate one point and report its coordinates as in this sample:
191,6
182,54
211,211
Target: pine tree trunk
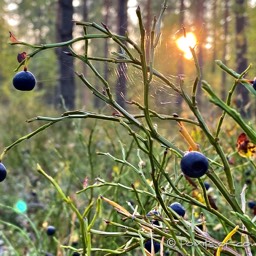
201,31
122,69
241,51
225,48
214,22
86,93
66,63
180,66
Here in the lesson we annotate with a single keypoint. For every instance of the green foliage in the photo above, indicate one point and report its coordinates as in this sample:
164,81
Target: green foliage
105,180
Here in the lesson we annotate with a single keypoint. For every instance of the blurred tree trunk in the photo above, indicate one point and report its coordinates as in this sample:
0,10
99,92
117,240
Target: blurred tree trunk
181,57
214,23
106,9
66,63
201,35
242,100
122,69
106,21
225,48
86,94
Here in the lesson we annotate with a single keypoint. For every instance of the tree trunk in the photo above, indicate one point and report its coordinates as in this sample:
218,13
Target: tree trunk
66,63
106,8
122,69
242,100
106,21
215,25
201,35
225,48
180,66
86,93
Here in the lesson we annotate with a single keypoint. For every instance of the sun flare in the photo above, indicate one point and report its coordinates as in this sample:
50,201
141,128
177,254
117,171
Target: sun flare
184,43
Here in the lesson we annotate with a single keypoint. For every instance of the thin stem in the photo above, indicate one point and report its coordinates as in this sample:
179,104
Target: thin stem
228,100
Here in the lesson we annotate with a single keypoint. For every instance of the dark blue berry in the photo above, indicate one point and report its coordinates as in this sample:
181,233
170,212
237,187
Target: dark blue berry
248,172
156,244
248,181
3,172
74,244
207,185
154,214
24,81
76,254
251,204
200,224
178,208
194,164
50,230
254,84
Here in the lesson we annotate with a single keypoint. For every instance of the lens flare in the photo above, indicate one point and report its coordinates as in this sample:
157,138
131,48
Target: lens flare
20,206
184,43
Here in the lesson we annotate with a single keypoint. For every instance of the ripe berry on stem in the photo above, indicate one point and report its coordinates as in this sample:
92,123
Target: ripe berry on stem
178,208
24,80
3,172
207,185
194,164
254,84
50,231
156,245
252,204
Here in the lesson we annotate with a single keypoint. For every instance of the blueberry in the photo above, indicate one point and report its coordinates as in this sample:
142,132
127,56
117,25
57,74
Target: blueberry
248,181
50,230
3,172
76,254
207,185
155,222
74,244
24,81
254,84
194,164
178,208
156,244
251,204
154,214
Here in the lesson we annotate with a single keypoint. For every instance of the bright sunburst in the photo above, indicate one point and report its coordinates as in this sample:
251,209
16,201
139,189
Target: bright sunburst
184,43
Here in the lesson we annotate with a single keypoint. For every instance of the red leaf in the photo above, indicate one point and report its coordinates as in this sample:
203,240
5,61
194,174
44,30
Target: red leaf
244,147
13,38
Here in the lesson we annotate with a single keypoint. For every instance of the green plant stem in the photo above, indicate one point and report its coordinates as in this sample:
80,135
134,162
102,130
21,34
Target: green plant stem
215,144
193,107
199,76
70,204
158,193
249,130
26,137
228,100
146,80
231,72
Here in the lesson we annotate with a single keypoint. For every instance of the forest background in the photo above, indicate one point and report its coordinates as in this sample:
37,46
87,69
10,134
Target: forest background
223,29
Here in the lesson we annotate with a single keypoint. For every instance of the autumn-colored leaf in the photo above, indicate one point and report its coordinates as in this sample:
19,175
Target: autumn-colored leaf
13,38
244,147
117,206
21,56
